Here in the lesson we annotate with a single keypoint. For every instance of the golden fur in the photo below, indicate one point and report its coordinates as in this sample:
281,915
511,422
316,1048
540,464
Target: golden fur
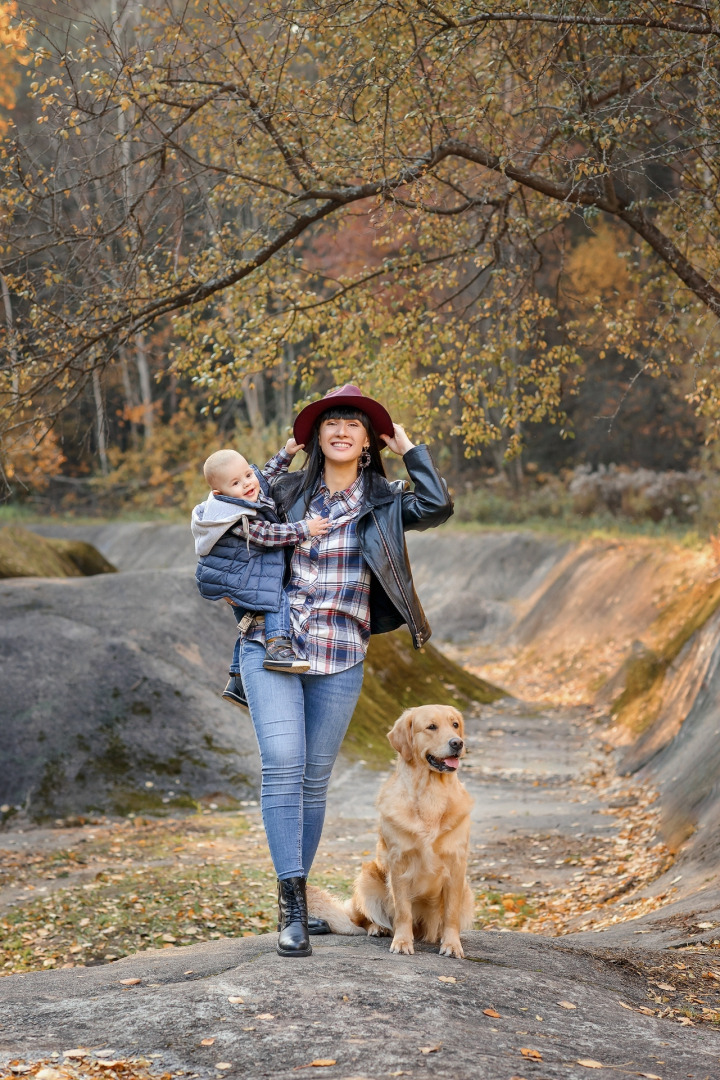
416,886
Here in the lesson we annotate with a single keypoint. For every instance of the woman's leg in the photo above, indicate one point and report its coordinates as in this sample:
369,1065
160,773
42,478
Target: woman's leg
330,701
278,716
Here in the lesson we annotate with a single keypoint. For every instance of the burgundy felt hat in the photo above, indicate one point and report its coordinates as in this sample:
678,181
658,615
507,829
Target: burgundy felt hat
351,396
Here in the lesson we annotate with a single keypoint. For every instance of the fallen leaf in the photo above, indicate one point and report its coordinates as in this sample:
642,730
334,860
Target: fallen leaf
318,1063
665,986
447,978
623,1005
534,1055
79,1053
168,937
223,1065
265,1016
566,1005
49,1074
491,1012
644,1009
206,1042
131,982
236,1001
686,1021
429,1049
108,1064
590,1064
650,1076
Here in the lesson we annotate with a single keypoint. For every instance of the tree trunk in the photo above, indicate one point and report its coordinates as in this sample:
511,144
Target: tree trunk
9,321
254,400
145,386
101,425
130,398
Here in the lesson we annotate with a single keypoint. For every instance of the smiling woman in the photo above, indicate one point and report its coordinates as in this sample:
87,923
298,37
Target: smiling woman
349,583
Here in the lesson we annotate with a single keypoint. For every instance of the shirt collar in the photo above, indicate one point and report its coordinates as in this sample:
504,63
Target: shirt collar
351,496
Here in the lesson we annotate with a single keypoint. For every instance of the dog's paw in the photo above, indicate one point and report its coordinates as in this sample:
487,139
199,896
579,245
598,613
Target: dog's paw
375,930
400,945
452,947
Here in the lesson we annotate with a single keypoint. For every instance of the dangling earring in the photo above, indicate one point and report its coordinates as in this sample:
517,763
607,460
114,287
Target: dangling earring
364,459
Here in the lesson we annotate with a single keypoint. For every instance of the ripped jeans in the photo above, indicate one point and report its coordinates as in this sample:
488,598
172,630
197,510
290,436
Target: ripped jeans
300,722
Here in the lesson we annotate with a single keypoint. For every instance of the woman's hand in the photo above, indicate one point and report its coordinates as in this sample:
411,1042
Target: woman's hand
292,447
400,443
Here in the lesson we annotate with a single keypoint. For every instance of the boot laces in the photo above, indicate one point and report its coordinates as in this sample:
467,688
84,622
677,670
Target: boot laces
294,903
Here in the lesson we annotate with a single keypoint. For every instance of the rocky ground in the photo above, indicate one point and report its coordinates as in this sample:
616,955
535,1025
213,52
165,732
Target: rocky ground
560,847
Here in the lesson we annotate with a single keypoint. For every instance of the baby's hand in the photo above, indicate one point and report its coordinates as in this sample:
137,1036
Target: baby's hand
292,447
319,526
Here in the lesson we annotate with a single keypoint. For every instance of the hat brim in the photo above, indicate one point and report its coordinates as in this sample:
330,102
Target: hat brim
376,413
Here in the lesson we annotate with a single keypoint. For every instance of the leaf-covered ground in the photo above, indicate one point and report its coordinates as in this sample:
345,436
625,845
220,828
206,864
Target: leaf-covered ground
106,889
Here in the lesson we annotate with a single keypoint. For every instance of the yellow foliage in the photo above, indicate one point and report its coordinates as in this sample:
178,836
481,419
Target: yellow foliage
595,269
13,52
32,457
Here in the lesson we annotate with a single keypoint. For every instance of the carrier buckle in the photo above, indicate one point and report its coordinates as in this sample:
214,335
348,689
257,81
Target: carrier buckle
246,622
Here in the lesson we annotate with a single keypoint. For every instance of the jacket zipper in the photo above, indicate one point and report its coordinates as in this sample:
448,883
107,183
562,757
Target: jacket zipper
418,636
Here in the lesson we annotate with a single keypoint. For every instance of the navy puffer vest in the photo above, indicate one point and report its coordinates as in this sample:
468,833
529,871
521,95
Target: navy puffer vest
252,577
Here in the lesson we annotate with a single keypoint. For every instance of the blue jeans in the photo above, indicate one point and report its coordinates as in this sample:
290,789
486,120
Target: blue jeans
277,624
300,722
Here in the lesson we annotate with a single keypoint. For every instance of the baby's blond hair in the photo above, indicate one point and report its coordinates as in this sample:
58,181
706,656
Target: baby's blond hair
216,462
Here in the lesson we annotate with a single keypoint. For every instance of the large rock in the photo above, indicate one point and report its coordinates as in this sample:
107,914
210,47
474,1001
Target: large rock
24,553
368,1013
110,696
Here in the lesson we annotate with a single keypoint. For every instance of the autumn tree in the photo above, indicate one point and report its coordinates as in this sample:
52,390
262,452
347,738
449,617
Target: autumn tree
186,174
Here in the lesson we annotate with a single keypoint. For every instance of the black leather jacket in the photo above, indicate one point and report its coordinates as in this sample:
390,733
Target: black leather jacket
389,510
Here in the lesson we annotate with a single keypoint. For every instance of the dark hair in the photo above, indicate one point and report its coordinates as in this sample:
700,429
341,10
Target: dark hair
306,480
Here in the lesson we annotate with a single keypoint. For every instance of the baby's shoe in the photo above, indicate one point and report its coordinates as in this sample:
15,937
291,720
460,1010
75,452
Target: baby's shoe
280,656
235,691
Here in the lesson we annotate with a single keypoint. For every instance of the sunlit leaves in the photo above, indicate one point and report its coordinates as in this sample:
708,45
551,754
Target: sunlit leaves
192,170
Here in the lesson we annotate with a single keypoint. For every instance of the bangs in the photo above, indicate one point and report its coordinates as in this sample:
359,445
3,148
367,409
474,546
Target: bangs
345,412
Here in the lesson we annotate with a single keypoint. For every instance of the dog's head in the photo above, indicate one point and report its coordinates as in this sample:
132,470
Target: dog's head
431,735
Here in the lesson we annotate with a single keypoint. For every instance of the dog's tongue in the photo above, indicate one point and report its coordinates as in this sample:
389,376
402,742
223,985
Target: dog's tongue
451,762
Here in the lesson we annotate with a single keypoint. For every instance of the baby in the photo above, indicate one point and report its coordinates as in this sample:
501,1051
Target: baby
239,538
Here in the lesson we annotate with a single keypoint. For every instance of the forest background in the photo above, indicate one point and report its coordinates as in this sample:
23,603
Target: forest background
502,222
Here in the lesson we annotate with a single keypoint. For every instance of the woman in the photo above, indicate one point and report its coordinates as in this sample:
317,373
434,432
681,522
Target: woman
344,586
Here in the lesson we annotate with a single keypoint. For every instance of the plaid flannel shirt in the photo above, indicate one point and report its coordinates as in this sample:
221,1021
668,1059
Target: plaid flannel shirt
329,590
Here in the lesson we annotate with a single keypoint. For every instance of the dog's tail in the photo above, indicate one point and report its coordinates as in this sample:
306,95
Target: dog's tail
337,913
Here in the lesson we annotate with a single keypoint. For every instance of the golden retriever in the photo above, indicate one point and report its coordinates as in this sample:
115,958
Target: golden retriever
416,886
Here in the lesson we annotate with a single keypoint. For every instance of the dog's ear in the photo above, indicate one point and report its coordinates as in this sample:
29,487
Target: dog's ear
400,735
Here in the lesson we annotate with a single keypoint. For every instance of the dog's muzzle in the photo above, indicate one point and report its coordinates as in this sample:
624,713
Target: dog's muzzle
448,764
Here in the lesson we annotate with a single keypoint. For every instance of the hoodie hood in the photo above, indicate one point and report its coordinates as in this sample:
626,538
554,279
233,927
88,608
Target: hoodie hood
212,519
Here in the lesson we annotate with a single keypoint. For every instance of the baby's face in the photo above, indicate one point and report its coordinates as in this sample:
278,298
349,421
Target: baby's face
237,479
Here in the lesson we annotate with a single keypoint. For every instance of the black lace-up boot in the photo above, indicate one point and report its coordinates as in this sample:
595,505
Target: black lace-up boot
293,918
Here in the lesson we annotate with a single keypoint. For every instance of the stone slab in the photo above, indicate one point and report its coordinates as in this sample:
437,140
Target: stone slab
355,1003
